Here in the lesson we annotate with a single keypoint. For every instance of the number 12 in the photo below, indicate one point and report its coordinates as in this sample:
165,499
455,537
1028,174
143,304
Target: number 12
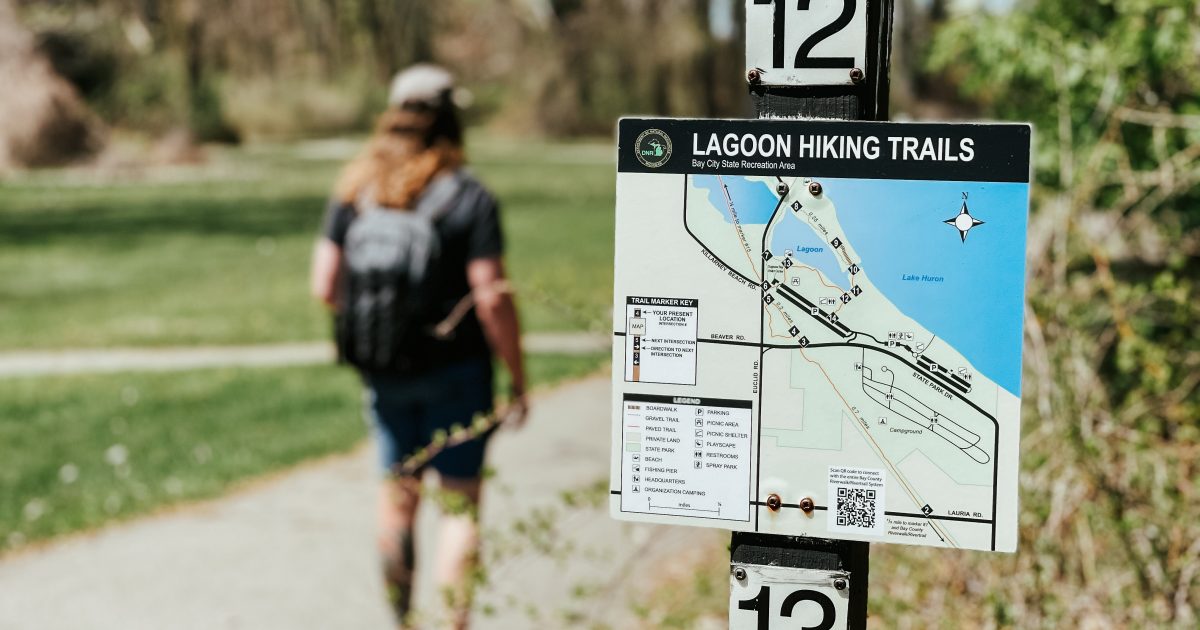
803,60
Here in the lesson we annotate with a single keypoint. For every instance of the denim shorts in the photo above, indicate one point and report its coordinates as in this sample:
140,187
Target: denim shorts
406,411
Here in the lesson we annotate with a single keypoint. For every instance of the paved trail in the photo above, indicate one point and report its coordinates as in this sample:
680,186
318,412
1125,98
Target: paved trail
42,362
296,551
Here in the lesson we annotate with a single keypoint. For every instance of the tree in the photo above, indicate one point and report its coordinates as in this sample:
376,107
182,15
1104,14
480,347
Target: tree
42,119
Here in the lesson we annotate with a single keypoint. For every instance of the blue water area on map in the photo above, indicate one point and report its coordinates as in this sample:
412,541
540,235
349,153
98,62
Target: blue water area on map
897,227
807,248
754,201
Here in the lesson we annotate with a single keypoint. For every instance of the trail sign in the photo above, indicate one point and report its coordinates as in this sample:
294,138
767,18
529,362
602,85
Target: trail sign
807,42
819,328
765,596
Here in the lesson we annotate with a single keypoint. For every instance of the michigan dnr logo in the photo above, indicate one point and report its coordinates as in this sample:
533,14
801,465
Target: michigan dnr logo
653,148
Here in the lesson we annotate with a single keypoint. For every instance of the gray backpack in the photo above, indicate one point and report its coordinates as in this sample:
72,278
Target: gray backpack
385,284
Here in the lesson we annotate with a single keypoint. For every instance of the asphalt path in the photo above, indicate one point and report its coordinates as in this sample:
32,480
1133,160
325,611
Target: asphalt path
78,361
296,550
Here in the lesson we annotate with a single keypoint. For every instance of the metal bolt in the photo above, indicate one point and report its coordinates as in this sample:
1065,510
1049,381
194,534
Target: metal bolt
774,502
782,189
856,75
814,188
754,75
739,574
840,584
807,505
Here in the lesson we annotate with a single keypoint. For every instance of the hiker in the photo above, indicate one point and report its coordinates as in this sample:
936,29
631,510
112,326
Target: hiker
411,261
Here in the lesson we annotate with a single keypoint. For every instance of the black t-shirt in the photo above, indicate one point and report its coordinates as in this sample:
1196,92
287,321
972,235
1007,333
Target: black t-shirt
470,230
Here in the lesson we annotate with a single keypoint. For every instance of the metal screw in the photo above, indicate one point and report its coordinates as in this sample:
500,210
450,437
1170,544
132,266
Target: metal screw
814,188
840,584
774,502
856,75
782,189
739,574
806,504
754,75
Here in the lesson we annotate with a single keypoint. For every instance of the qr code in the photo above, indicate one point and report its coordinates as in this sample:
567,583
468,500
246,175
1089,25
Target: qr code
856,507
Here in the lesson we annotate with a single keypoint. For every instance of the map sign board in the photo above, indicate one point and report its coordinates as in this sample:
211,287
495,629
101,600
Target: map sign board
817,328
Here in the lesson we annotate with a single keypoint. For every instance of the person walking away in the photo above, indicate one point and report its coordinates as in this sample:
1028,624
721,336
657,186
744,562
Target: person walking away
411,261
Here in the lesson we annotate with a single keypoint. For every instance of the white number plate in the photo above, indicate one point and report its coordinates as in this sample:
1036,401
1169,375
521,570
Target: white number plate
806,42
785,597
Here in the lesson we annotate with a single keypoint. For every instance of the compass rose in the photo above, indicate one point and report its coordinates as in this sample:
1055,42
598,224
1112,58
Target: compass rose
964,221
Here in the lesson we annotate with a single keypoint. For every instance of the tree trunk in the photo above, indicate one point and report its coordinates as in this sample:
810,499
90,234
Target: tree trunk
43,121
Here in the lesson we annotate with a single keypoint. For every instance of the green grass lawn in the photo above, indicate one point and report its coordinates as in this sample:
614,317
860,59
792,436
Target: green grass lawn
218,253
558,202
79,451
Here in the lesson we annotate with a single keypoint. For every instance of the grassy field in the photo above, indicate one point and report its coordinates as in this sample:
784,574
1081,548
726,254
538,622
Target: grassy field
81,451
218,253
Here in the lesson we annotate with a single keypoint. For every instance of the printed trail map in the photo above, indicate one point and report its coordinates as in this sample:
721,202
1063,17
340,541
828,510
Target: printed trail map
817,328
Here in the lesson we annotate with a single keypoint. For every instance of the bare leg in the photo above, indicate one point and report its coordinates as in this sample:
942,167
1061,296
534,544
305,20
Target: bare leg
458,546
398,500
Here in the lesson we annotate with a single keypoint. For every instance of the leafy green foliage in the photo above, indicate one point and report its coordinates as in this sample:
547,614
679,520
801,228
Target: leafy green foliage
1110,485
1088,75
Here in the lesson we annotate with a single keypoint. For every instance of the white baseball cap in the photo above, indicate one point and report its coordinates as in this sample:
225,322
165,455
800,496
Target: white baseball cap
422,83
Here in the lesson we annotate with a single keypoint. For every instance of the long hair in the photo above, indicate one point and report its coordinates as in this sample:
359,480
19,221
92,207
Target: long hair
409,147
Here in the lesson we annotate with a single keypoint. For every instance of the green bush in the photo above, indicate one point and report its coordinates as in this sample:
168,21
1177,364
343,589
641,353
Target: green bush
1110,482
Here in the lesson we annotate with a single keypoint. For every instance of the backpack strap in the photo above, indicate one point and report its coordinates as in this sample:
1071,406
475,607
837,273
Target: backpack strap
365,201
438,197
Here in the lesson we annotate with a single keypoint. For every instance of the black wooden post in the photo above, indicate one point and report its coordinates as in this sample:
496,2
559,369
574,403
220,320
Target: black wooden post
807,552
865,99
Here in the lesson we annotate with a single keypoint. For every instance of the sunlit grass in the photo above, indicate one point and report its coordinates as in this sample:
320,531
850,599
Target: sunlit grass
218,253
82,450
77,452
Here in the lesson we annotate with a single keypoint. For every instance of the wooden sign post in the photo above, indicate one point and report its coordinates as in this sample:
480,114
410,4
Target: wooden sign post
825,59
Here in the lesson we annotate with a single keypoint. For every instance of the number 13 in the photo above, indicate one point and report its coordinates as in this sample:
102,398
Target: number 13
803,60
762,605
